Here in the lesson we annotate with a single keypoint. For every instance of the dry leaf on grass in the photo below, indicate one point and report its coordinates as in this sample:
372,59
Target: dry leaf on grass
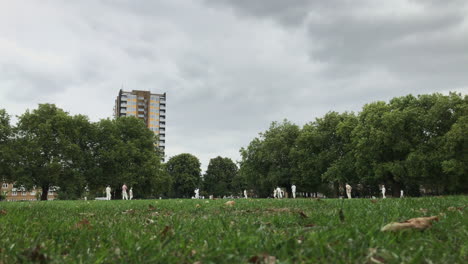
423,210
453,209
3,212
84,223
149,221
374,201
377,260
129,211
263,259
303,215
230,203
197,205
87,214
420,223
166,231
374,258
154,214
151,207
35,255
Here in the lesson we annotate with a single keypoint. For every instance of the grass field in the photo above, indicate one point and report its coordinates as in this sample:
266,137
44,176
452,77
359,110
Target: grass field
251,231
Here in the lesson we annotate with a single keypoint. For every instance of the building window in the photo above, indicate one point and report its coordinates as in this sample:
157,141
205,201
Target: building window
33,193
24,193
5,185
14,193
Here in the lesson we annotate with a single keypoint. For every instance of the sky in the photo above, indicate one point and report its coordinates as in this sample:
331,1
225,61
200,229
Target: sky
229,67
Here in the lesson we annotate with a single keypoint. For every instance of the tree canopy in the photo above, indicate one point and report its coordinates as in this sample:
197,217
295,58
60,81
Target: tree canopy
219,179
411,143
50,148
185,173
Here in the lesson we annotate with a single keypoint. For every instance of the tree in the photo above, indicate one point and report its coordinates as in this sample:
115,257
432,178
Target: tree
455,163
383,139
6,134
184,171
123,151
267,162
49,148
438,161
323,153
219,176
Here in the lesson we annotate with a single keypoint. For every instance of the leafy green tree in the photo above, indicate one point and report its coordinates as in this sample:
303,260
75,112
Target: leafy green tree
455,163
401,144
6,134
49,149
123,151
435,159
383,139
185,173
267,162
323,153
219,177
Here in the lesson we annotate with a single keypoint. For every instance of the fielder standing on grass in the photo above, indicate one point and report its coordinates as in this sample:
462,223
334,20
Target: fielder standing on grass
108,193
124,192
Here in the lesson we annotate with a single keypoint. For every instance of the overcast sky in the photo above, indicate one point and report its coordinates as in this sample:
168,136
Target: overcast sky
229,67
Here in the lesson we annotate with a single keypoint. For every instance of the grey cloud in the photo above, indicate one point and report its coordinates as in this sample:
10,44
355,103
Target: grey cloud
23,84
288,13
424,47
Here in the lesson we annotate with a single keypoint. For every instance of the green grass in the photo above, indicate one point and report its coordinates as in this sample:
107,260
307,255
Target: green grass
179,231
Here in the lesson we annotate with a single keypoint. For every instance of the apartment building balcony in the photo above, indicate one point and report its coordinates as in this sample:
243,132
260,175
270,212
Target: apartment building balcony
162,107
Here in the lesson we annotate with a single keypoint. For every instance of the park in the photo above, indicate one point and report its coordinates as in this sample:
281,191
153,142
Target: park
381,186
227,131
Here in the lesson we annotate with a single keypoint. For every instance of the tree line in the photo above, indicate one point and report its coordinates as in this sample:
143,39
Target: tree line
50,148
416,144
410,143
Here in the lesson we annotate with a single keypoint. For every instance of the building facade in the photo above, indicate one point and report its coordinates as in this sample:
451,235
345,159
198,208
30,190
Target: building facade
149,107
21,194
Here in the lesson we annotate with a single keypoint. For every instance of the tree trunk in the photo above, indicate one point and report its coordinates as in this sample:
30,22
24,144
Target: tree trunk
45,192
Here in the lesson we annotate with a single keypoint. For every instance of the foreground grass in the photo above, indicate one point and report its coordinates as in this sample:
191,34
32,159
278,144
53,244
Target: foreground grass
187,231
